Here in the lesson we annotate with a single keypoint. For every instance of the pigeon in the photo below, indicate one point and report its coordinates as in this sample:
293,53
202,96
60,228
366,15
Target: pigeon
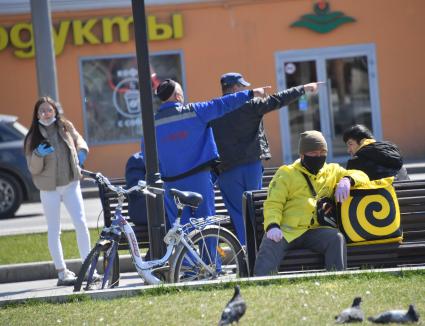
352,314
397,316
234,309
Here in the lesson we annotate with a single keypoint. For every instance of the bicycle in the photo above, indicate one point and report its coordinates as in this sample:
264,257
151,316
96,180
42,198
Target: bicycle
199,250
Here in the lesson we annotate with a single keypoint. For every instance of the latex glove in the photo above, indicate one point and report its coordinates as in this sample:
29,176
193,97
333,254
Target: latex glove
274,234
82,155
44,150
342,190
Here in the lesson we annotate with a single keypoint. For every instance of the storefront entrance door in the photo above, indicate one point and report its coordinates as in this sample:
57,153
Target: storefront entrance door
350,96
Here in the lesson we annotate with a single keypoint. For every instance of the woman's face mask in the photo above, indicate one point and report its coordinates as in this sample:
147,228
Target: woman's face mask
46,114
313,164
47,122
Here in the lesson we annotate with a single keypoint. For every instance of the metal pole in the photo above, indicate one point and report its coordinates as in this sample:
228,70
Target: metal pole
44,51
155,206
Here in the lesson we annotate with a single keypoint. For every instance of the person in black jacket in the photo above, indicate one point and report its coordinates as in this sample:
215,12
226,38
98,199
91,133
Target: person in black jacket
242,143
375,158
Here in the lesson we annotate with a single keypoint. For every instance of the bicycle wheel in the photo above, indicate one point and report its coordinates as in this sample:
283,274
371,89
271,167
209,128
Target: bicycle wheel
219,249
88,277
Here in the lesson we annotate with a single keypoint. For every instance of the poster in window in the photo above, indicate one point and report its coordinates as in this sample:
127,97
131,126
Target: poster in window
110,93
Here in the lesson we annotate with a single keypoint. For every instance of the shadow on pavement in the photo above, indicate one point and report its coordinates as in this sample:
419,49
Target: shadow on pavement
26,215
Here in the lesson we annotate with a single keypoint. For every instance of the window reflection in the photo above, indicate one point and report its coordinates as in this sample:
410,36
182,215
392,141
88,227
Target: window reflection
304,113
349,94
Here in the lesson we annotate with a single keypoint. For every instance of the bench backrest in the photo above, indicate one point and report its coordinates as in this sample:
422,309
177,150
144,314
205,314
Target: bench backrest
109,203
109,199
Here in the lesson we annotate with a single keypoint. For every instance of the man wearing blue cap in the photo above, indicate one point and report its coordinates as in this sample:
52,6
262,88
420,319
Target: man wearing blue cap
242,143
186,146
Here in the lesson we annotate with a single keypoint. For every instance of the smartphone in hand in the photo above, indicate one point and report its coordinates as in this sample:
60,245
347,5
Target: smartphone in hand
46,143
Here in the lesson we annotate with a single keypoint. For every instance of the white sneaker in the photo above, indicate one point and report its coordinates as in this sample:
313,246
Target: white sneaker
95,278
66,278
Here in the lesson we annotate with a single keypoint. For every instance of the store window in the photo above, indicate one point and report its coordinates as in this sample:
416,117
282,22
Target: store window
110,93
350,95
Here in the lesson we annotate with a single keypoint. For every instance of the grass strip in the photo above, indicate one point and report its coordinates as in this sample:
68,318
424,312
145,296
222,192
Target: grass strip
28,248
310,301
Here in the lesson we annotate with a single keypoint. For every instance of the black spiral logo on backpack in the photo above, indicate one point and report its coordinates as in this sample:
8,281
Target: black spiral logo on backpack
370,214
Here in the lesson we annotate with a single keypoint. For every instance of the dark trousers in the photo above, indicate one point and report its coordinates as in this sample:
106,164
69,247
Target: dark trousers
327,241
201,183
233,183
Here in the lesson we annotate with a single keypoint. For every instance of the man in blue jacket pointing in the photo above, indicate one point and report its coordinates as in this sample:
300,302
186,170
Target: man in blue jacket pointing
186,146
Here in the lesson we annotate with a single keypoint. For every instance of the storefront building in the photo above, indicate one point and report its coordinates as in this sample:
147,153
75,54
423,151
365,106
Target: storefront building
369,52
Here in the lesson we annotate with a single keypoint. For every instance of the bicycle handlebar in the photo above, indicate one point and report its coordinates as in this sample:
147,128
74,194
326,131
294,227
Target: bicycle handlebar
89,174
141,185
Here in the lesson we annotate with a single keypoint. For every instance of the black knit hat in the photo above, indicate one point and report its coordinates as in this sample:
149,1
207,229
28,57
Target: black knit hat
165,89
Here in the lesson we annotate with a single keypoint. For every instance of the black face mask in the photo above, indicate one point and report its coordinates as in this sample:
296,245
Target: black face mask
313,164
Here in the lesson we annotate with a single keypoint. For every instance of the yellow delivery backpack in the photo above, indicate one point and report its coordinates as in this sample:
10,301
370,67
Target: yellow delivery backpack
371,214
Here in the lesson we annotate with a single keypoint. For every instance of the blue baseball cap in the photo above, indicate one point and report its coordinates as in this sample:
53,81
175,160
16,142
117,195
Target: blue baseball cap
232,78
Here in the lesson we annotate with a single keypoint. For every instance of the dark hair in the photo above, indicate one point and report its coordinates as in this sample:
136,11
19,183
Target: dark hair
226,89
34,136
357,133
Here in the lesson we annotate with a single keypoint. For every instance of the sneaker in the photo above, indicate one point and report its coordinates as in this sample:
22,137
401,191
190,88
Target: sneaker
95,278
66,278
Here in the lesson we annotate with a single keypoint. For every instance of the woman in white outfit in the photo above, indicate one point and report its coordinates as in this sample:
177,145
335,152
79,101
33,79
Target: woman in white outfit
55,151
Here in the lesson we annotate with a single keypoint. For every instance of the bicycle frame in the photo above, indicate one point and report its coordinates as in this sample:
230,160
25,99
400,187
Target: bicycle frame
174,236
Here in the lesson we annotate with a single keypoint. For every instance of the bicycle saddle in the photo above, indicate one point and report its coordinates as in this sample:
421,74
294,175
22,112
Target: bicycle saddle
188,198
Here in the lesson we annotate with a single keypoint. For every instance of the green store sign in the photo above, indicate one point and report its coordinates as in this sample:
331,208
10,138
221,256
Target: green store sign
323,20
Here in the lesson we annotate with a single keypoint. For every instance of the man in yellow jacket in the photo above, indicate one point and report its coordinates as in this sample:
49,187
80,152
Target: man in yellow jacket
290,217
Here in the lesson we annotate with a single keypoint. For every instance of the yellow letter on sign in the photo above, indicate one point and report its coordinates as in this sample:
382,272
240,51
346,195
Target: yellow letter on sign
157,32
82,32
4,38
178,25
16,40
123,25
59,37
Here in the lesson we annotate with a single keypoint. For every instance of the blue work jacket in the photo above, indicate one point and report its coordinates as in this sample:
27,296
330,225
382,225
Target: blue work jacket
184,138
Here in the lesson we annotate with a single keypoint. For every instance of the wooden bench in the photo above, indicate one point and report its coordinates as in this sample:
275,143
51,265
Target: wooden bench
411,197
